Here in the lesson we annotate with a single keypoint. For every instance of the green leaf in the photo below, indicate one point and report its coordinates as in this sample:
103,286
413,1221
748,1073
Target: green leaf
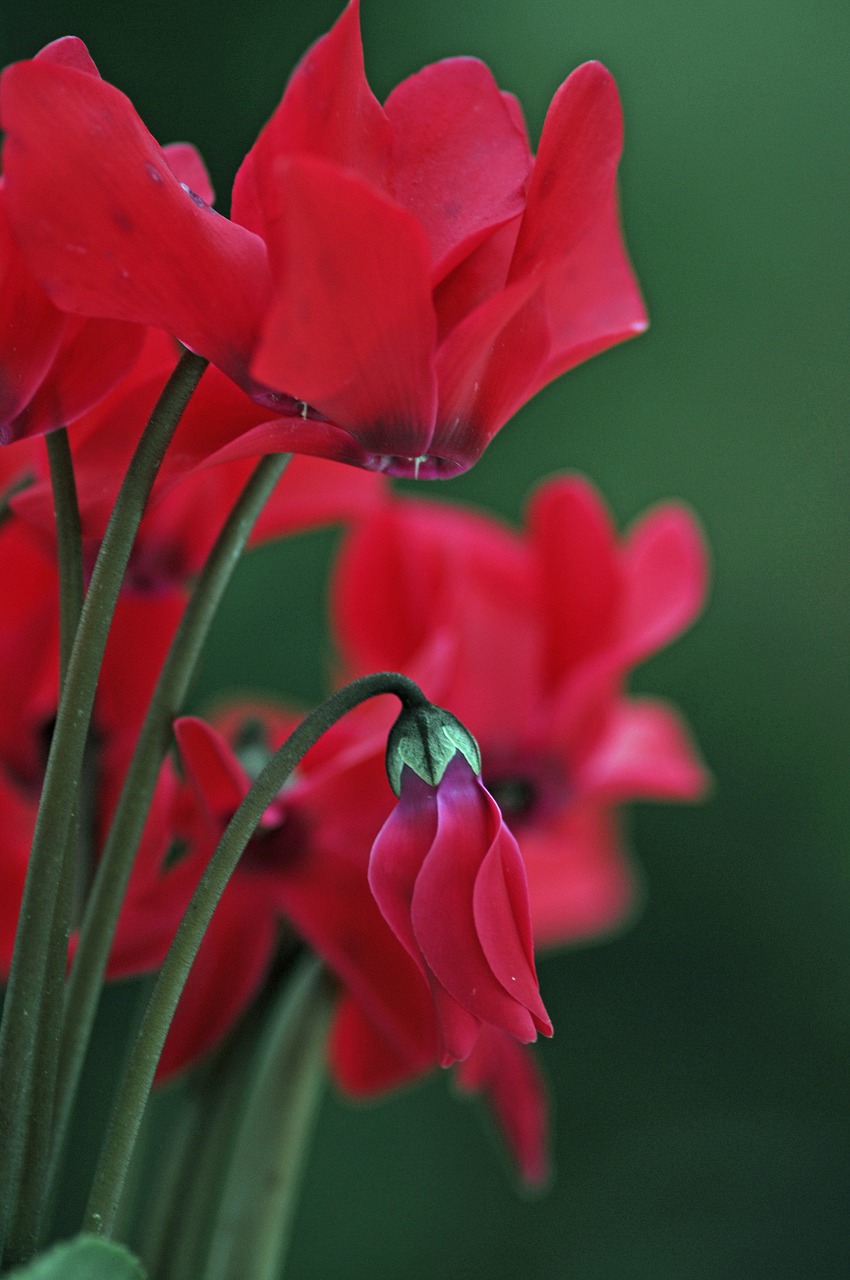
86,1258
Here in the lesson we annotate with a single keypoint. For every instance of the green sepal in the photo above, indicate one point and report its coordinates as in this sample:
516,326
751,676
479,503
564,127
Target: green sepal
427,738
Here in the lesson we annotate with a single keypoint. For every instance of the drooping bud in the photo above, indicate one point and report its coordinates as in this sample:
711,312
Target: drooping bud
427,738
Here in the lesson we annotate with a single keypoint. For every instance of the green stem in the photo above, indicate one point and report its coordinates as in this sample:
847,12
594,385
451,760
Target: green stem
116,860
26,1221
251,1234
133,1094
69,543
169,1176
222,1085
182,1248
25,990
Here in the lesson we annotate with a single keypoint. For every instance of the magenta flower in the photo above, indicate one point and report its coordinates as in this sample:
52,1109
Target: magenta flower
395,281
449,879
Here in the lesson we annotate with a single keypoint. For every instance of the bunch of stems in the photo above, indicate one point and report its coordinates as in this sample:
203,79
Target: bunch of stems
239,1224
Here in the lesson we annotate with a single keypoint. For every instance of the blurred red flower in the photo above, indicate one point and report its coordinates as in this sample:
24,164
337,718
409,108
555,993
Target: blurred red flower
528,638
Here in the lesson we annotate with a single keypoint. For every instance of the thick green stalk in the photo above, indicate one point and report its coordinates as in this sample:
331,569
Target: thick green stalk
24,1234
135,1088
116,860
25,990
251,1234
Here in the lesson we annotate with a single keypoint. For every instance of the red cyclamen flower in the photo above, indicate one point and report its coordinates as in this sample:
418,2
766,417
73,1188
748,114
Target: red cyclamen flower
529,638
395,281
449,880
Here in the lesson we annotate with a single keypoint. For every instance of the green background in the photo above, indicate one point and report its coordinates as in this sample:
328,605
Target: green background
700,1064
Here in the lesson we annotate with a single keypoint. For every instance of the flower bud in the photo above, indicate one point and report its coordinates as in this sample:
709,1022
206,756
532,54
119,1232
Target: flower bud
427,738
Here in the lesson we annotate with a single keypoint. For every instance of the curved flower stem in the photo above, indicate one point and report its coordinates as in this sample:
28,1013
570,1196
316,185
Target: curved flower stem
134,1090
25,1224
116,860
25,989
252,1231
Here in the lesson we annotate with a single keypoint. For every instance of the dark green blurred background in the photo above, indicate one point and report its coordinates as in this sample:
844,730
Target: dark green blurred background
701,1061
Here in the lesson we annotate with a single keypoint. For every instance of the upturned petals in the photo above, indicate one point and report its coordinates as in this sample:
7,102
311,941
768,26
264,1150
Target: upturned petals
448,878
328,112
574,170
665,569
646,752
219,780
350,329
607,599
580,580
570,232
460,158
107,227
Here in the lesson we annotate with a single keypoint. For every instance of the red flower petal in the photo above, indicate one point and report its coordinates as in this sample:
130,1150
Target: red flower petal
328,111
442,914
508,1076
93,357
579,882
579,578
29,648
17,822
227,972
107,228
591,297
68,51
570,231
139,639
31,330
502,921
574,171
486,367
665,566
647,751
350,328
216,775
396,859
460,162
187,165
364,1061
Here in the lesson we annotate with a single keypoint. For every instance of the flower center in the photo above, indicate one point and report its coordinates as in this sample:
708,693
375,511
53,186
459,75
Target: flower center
425,467
527,786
